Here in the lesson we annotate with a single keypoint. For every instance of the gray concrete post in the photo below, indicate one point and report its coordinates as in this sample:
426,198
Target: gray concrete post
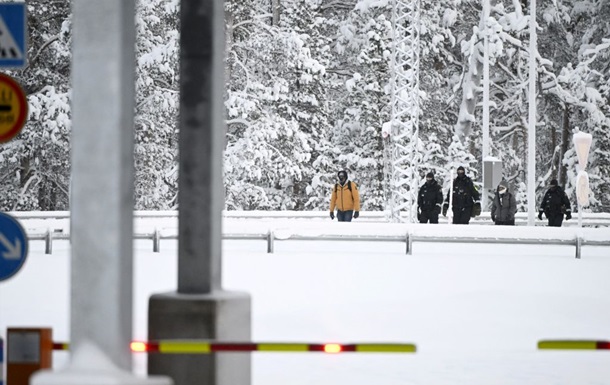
101,209
102,176
200,309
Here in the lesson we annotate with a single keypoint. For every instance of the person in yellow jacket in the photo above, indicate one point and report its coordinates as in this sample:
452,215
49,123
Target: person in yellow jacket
345,198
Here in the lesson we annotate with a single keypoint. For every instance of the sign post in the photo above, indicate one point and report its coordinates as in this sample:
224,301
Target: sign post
13,246
13,108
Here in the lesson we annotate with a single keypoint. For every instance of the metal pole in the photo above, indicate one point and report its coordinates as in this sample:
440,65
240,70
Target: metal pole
531,133
102,176
486,11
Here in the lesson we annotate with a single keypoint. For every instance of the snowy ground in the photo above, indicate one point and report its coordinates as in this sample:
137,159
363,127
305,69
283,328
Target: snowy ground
475,312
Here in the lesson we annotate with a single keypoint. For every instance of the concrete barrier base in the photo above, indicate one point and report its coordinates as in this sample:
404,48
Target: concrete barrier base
88,365
221,315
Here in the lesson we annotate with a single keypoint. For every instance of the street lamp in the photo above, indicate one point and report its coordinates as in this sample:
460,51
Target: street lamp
582,144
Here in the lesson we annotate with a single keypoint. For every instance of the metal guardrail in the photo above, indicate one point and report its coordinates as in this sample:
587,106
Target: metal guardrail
589,219
270,237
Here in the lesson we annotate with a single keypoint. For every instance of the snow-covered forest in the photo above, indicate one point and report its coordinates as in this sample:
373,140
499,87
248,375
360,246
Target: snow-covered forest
308,91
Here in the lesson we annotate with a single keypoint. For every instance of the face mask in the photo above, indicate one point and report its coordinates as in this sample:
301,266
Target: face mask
428,180
461,174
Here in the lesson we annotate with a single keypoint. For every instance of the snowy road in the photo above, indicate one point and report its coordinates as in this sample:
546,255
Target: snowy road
475,312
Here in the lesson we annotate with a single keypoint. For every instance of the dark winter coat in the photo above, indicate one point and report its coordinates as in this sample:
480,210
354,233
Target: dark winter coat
504,206
464,194
555,202
430,197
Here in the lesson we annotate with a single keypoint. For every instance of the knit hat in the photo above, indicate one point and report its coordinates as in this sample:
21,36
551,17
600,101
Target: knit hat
342,172
430,175
503,184
554,182
461,168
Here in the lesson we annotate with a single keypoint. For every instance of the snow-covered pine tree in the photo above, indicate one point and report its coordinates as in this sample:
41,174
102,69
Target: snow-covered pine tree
156,131
364,43
35,165
276,111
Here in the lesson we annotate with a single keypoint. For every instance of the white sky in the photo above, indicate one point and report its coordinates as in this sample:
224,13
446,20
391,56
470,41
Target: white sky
475,312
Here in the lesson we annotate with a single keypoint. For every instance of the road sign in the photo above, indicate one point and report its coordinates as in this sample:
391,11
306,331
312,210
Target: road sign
12,35
13,108
13,246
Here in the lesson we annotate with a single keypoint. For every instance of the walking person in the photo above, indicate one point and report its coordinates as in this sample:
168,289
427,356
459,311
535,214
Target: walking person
429,200
504,206
465,199
345,198
555,204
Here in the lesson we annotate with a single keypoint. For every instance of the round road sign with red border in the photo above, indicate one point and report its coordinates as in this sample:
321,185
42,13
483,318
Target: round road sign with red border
13,108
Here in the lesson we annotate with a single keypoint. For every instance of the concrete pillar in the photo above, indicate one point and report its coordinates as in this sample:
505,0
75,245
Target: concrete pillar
102,197
200,309
101,211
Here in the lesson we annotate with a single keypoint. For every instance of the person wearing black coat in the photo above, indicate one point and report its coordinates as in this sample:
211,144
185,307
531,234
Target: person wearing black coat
429,200
465,199
504,206
554,204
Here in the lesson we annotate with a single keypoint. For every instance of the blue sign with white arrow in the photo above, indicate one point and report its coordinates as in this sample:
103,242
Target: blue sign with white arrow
13,246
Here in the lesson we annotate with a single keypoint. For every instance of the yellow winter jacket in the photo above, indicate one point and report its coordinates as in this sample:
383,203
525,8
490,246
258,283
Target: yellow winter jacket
344,199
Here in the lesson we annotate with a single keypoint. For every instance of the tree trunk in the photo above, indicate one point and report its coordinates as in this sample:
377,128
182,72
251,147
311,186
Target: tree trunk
565,135
471,85
229,40
25,171
275,10
553,147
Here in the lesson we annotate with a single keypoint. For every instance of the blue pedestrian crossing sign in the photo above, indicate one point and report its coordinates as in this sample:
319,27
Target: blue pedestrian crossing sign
13,35
13,246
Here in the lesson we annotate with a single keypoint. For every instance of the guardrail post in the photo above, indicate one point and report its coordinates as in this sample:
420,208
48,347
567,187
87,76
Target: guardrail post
48,239
270,239
156,240
578,246
409,242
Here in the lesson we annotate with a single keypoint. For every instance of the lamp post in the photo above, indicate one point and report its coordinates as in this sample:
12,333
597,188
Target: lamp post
531,131
486,12
582,144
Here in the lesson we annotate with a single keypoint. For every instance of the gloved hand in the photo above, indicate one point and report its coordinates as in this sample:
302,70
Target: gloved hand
540,215
332,215
445,208
356,214
437,209
493,218
476,209
568,215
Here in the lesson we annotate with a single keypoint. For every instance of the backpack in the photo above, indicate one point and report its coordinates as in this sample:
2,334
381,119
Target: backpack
349,186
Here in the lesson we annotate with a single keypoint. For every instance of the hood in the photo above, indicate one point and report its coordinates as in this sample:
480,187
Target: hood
503,184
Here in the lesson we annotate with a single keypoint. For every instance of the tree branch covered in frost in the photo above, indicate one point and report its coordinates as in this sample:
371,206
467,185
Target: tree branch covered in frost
309,91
